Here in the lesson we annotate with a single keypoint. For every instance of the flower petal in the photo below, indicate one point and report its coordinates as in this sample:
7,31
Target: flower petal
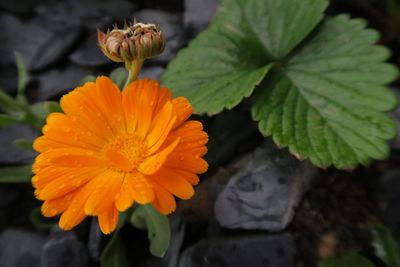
105,186
173,182
140,187
182,110
108,220
153,163
164,202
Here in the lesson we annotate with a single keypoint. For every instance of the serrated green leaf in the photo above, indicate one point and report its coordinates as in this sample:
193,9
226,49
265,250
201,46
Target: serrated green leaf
347,260
386,246
282,25
119,76
225,63
23,76
157,225
327,103
16,174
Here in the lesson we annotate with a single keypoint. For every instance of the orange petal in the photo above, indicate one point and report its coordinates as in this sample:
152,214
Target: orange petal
153,163
130,107
124,199
182,109
56,206
61,185
75,214
174,183
109,100
108,220
190,163
140,188
105,188
160,128
165,95
164,202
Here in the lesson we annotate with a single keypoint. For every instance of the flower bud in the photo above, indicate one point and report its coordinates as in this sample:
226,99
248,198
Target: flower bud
134,42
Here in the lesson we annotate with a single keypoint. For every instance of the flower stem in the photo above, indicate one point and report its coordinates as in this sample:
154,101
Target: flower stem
133,69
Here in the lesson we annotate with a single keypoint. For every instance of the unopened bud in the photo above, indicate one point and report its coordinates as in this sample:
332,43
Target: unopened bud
138,41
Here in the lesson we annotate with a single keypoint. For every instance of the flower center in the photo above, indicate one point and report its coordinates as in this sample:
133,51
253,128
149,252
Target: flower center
125,153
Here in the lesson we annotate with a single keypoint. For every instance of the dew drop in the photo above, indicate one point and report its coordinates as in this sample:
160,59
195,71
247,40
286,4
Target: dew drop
181,158
74,118
61,186
197,156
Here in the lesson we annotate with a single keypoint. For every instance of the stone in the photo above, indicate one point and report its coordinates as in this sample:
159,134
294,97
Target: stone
9,79
263,195
223,145
170,24
21,7
391,198
251,250
90,14
198,14
20,248
9,154
63,249
153,72
39,46
88,54
8,194
95,240
56,82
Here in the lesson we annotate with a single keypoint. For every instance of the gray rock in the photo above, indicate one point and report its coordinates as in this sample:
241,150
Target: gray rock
170,24
391,198
198,13
63,249
88,54
9,79
20,249
56,82
9,154
254,250
224,145
151,72
90,14
264,194
95,240
39,46
18,6
8,194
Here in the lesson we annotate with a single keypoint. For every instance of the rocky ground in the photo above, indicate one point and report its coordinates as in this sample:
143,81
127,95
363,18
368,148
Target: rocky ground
257,206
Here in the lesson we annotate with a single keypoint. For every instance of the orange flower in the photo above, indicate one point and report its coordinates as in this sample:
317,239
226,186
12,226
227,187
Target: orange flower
111,149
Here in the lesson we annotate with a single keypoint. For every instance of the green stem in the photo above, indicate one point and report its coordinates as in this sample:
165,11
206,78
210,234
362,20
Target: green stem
134,69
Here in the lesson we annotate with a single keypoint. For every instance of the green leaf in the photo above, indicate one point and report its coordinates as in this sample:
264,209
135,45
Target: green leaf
39,221
347,260
281,25
7,120
386,246
23,144
114,254
43,109
119,76
16,174
225,63
10,105
157,225
23,76
88,78
327,103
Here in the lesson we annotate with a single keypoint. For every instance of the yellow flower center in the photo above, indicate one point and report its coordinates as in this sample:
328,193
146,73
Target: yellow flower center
125,153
